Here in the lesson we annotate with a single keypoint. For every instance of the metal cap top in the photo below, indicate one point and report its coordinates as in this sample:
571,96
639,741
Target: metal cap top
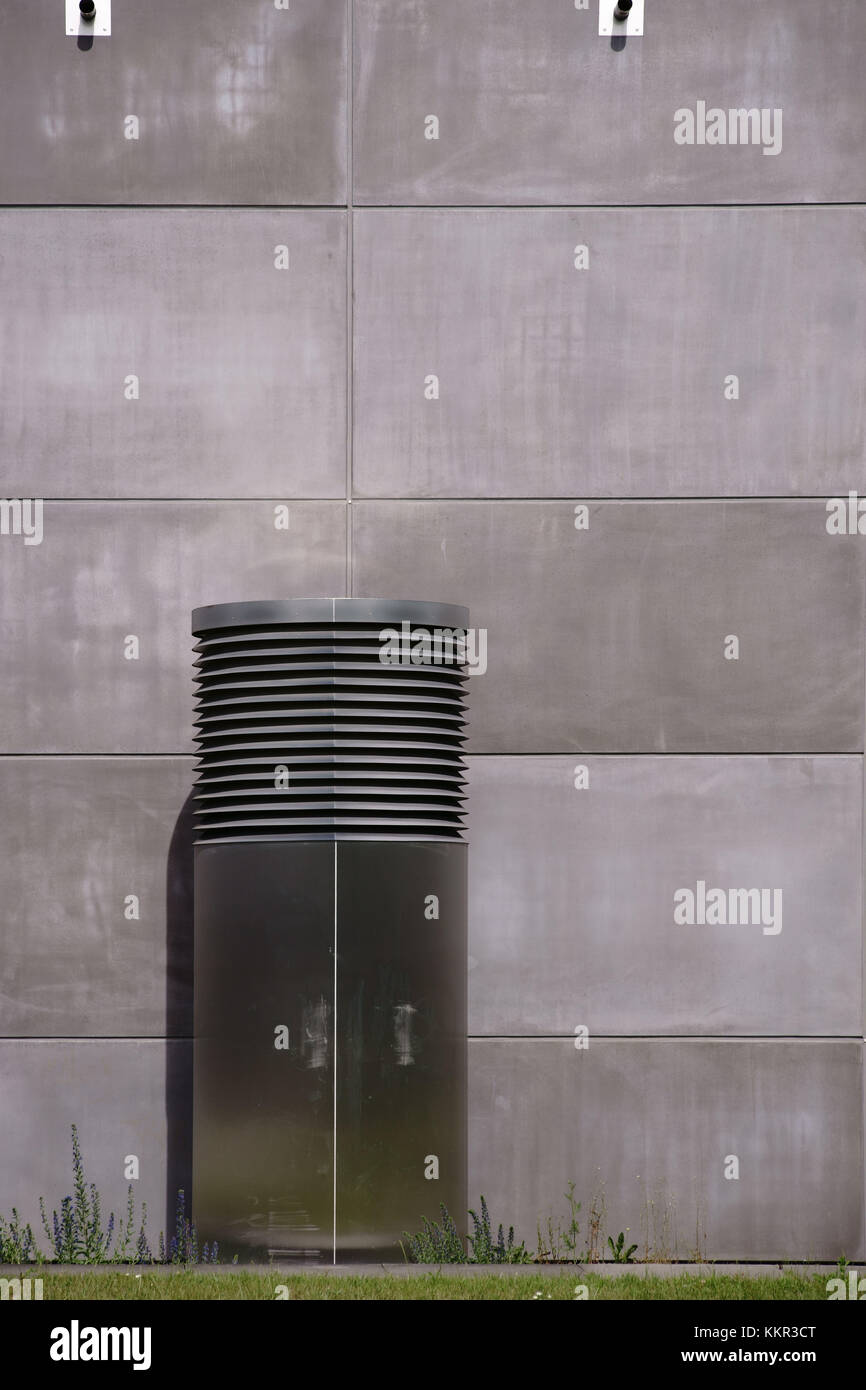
328,610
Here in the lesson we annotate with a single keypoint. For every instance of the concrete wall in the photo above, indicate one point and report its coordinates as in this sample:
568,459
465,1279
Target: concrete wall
234,304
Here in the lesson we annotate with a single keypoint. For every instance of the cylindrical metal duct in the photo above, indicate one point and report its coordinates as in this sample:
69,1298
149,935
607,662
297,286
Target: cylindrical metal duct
330,924
370,746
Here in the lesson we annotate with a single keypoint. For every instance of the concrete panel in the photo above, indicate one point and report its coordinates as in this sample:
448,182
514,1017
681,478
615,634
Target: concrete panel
572,904
105,572
665,1114
614,379
612,639
646,1127
120,1094
234,103
534,107
79,839
164,354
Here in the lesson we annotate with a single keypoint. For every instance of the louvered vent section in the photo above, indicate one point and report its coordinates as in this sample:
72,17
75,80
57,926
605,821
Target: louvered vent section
313,725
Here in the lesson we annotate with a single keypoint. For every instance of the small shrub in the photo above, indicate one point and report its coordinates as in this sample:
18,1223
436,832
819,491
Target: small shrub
621,1256
129,1247
184,1247
17,1242
442,1244
436,1244
560,1242
487,1251
76,1233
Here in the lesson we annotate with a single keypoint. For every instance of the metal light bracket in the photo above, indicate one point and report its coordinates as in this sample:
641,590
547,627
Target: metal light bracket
97,28
630,27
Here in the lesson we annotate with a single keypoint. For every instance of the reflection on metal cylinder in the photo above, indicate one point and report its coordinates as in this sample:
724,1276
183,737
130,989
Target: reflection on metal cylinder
330,925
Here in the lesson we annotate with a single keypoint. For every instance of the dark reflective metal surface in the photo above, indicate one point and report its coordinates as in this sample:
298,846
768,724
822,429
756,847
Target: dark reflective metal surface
268,1121
401,1057
263,1117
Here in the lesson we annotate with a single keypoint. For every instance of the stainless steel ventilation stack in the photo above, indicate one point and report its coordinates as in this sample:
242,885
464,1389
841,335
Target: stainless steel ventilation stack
330,925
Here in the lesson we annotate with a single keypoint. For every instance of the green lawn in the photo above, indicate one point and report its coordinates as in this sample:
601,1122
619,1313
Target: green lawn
242,1285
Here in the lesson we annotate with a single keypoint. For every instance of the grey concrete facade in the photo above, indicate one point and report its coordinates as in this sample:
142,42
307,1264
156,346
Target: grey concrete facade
600,865
233,104
109,571
221,327
199,364
788,1111
535,108
118,1093
575,361
614,636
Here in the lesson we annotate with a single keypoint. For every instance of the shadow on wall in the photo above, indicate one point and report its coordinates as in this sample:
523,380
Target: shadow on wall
178,1011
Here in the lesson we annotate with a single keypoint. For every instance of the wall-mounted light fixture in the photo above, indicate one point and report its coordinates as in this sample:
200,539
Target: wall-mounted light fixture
88,19
620,18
